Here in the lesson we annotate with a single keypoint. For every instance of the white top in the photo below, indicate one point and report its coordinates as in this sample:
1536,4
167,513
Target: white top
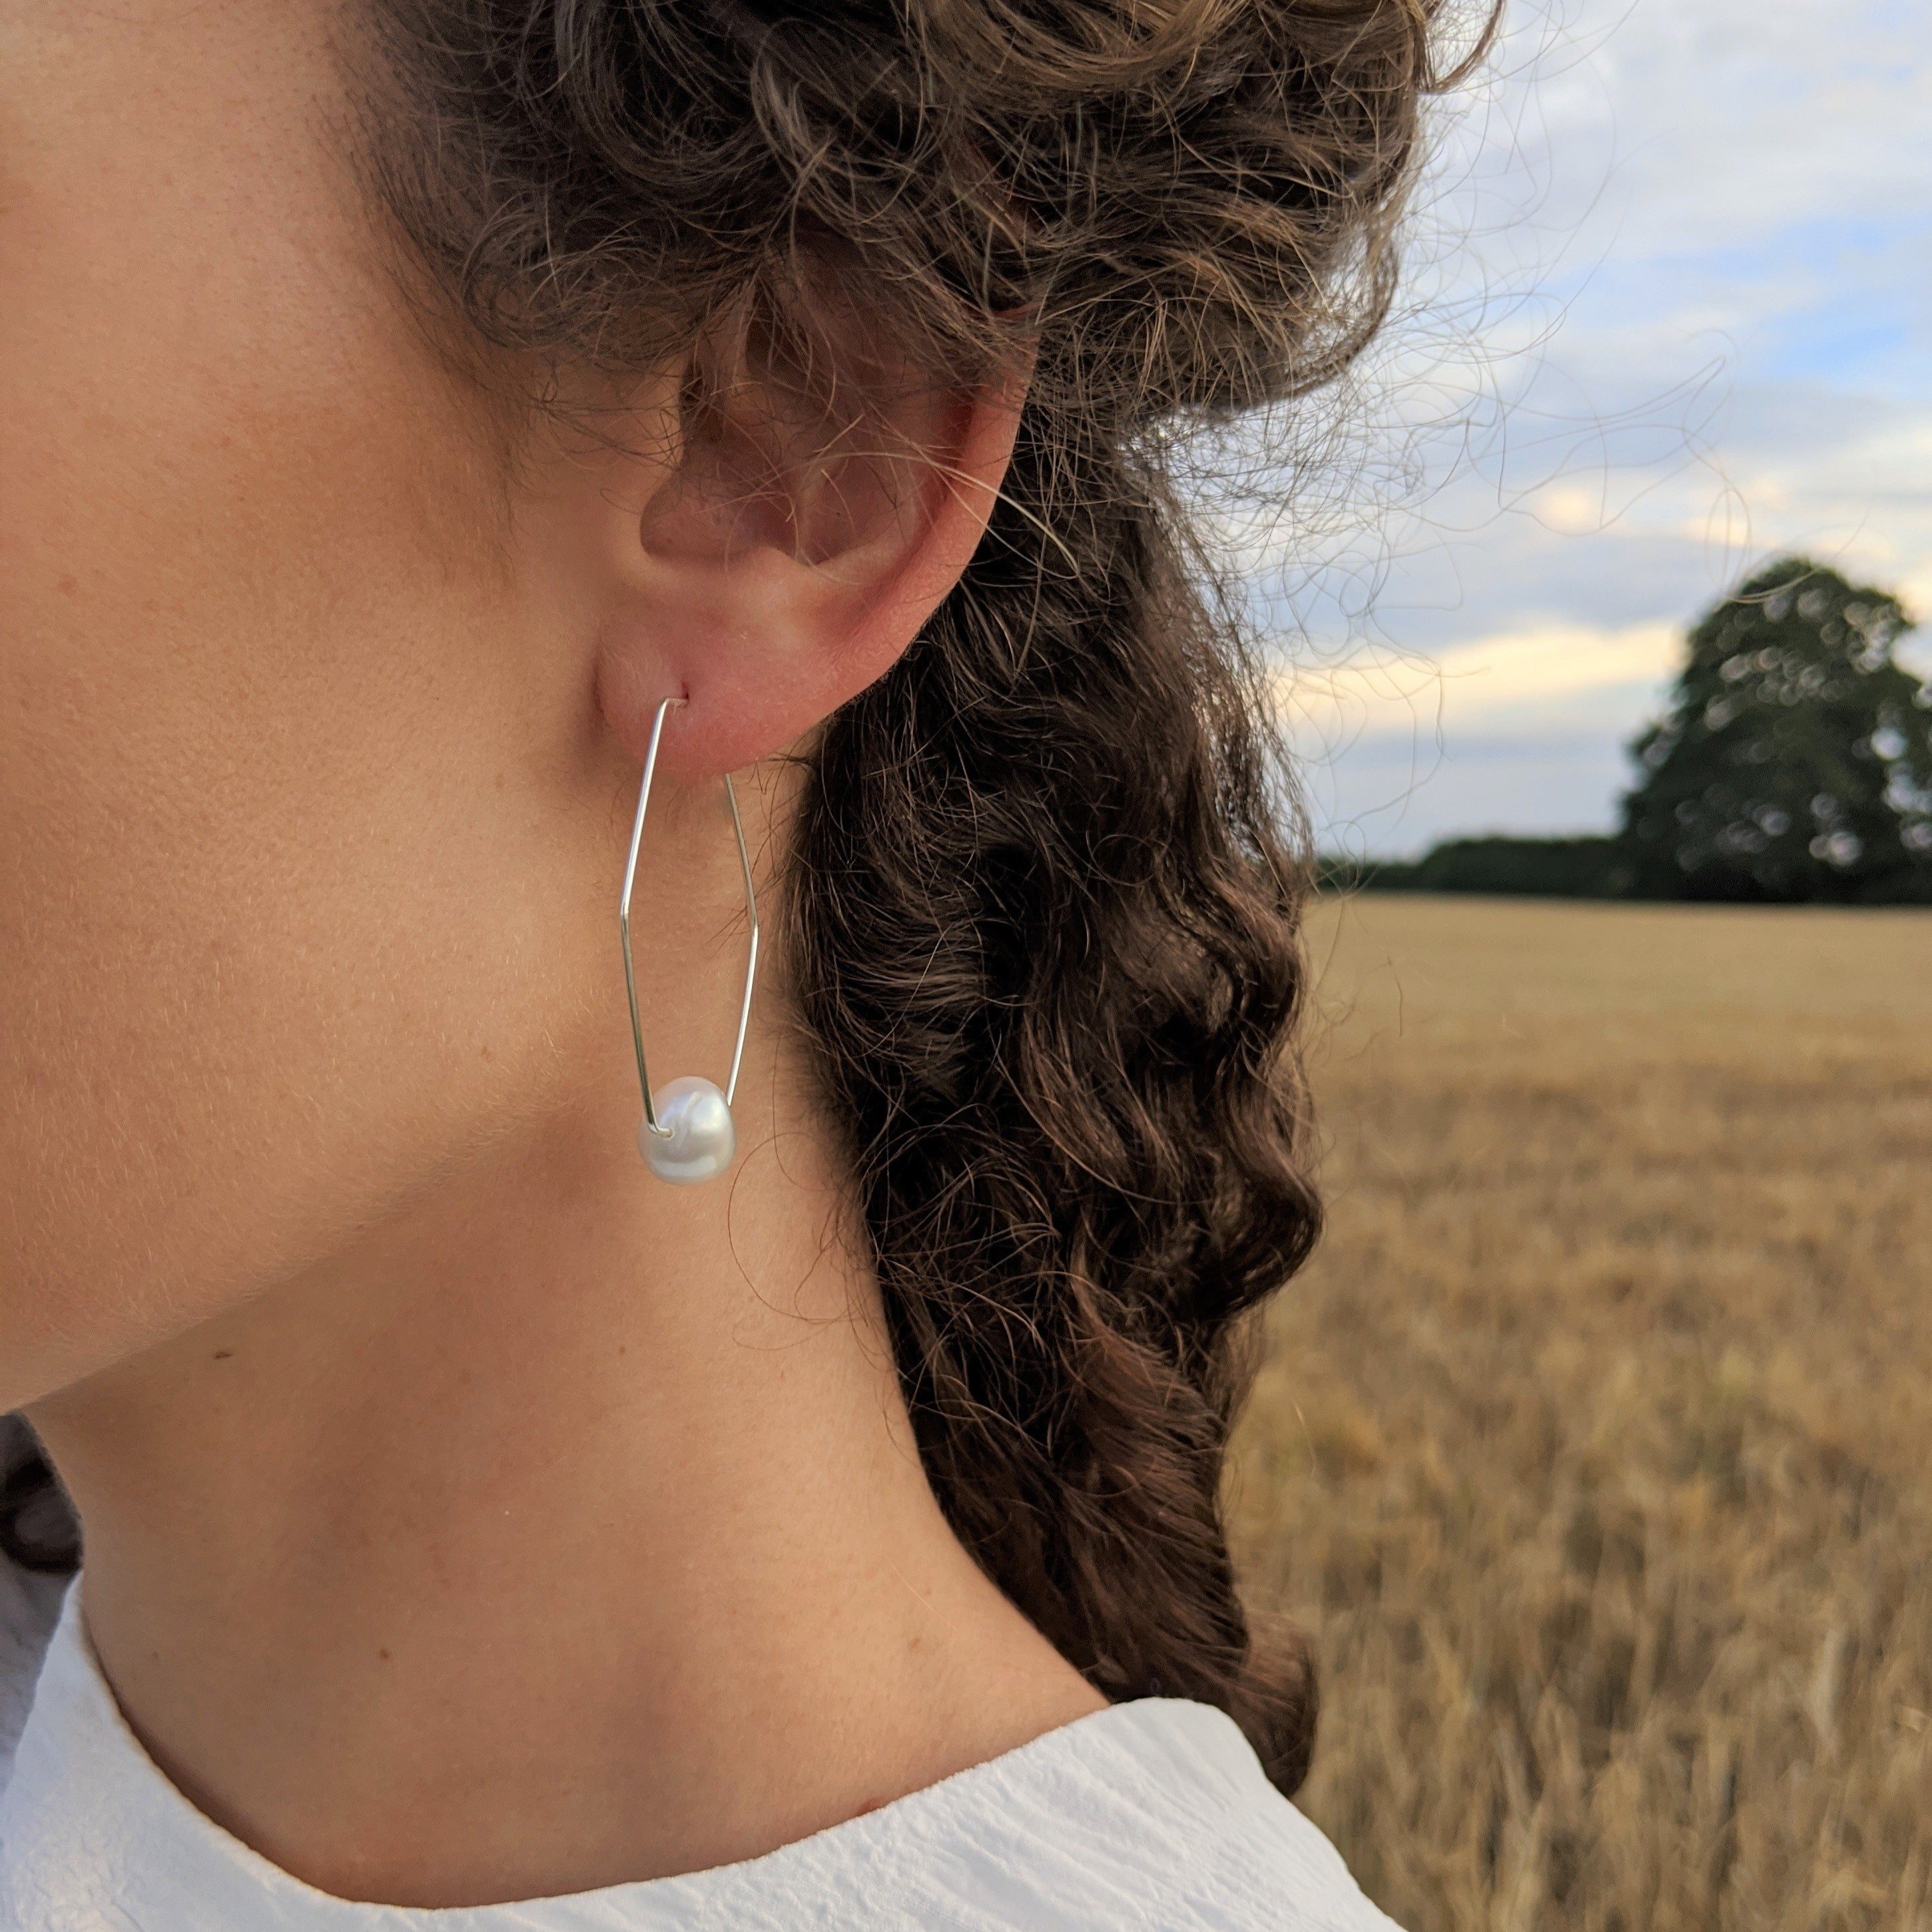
1153,1815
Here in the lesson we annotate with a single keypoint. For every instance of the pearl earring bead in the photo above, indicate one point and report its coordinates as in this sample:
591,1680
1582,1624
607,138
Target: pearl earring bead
697,1140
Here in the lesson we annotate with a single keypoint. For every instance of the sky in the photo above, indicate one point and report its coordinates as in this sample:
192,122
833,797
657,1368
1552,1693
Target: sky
1667,313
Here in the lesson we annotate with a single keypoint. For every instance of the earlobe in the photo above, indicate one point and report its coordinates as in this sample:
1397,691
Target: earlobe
777,573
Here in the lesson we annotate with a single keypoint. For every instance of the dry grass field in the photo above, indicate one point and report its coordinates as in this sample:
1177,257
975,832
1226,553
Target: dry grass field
1595,1448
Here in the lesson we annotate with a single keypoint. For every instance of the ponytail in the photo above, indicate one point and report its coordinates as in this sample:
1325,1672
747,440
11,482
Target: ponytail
38,1530
1044,944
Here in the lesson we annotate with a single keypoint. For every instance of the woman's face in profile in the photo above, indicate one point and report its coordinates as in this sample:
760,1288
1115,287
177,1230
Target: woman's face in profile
420,1446
270,746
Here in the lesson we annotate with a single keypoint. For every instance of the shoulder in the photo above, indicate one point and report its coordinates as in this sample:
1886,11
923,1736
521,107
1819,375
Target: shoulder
1153,1813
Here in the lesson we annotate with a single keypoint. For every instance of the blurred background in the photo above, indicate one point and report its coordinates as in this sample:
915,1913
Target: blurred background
1667,314
1595,1448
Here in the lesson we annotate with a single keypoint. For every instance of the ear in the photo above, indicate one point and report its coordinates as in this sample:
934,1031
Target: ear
789,546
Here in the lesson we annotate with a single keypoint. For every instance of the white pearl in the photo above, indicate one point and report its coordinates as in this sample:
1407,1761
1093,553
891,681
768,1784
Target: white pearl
699,1140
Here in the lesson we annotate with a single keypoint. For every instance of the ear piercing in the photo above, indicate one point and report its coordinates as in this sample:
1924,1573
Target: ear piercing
686,1134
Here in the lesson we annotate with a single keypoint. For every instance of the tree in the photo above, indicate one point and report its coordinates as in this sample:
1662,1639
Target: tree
1577,868
1796,760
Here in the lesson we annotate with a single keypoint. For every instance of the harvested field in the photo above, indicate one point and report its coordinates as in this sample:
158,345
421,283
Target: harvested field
1595,1448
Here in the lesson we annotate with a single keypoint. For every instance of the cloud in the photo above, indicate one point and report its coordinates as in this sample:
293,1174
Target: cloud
1516,683
1667,314
1395,748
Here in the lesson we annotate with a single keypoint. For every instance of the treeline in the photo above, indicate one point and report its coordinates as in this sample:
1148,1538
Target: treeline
1593,868
1793,764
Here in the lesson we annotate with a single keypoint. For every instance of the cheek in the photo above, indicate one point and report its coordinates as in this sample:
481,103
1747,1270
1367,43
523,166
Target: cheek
264,749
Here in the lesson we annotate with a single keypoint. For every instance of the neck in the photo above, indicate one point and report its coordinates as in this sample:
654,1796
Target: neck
564,1530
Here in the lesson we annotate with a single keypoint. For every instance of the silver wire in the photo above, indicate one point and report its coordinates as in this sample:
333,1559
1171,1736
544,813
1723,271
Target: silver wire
624,925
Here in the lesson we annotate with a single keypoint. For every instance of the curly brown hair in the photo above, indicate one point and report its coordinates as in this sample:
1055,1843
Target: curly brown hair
1043,896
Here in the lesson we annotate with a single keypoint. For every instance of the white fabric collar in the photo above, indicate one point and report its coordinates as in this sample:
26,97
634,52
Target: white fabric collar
1151,1814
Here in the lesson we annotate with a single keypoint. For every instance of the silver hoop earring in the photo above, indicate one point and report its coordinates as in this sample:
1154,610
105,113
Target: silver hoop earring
686,1134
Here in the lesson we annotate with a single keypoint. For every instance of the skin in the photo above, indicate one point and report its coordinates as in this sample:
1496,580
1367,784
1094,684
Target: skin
469,1516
